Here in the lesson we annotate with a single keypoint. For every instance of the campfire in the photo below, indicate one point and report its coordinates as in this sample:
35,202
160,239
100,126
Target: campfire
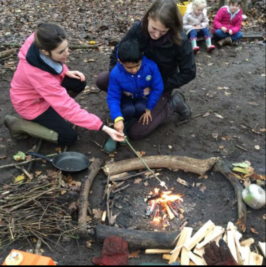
163,205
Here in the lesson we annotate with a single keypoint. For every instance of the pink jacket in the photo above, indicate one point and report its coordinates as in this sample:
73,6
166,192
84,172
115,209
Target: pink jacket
33,91
223,19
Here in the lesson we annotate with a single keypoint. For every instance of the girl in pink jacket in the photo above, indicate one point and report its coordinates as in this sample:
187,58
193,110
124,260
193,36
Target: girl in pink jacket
227,23
42,89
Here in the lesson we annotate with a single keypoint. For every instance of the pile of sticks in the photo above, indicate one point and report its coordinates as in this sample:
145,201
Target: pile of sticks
189,249
33,209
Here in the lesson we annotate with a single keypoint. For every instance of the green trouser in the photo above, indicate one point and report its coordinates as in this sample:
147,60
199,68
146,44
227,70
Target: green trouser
20,129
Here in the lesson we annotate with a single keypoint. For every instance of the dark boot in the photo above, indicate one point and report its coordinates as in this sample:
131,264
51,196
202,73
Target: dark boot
178,104
21,129
226,41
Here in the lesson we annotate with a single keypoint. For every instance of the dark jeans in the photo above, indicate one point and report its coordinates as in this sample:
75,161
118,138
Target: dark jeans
52,120
132,108
160,113
221,35
193,34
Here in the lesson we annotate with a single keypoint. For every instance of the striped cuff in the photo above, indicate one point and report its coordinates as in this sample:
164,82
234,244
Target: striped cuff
119,119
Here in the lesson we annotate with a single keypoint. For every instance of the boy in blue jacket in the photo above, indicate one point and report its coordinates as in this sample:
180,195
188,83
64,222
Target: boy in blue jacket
135,86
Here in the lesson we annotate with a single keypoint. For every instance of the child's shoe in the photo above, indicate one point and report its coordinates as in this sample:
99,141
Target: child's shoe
110,146
194,46
210,48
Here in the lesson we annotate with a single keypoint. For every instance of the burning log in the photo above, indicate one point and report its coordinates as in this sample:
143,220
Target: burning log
94,168
138,239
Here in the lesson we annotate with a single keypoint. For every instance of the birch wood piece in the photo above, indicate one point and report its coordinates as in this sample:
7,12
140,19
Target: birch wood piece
255,259
196,259
202,232
94,168
181,241
184,252
262,247
197,166
246,252
157,251
231,240
247,242
199,252
119,175
211,238
138,239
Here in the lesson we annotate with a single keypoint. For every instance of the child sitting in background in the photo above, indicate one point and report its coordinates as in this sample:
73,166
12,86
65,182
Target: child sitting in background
196,22
135,86
227,23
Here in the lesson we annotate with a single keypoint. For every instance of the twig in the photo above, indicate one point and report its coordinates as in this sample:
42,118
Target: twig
128,176
240,147
38,246
36,151
25,162
24,171
120,189
193,117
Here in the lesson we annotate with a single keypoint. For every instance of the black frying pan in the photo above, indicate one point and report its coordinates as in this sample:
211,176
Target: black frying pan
66,161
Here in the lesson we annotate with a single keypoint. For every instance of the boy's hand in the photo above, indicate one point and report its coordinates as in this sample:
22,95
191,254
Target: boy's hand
127,93
146,91
119,126
224,29
75,75
146,117
230,32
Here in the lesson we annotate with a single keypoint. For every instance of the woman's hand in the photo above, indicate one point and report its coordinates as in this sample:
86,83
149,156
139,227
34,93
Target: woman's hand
116,136
75,75
146,117
119,126
146,91
230,32
224,29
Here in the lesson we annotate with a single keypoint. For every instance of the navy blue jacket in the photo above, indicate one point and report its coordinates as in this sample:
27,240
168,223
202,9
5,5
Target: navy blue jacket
121,80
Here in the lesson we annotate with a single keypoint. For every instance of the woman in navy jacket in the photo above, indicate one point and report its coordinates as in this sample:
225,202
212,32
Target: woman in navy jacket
161,39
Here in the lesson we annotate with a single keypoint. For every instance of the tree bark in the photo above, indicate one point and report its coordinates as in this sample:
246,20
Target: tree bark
174,163
94,168
138,239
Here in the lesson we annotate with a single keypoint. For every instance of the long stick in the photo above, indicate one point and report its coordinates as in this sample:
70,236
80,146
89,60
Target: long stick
144,163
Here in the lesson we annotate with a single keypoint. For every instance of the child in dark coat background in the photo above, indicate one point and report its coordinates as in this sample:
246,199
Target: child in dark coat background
227,23
135,87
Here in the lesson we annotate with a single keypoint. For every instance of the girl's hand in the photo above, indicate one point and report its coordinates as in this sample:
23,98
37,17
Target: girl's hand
197,27
116,136
230,32
146,91
224,29
75,75
146,117
119,126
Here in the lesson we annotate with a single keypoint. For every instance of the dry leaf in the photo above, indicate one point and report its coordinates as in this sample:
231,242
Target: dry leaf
58,149
89,219
88,244
37,173
218,115
206,114
254,231
201,187
63,192
146,183
97,213
257,147
19,179
137,181
181,217
264,217
241,223
210,64
226,138
215,135
3,157
170,147
134,254
263,130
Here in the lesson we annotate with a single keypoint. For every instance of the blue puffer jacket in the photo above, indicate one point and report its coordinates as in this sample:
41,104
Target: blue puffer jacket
120,80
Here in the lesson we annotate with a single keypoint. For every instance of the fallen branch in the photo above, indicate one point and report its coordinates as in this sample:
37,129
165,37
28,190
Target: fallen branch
221,167
7,53
94,168
171,162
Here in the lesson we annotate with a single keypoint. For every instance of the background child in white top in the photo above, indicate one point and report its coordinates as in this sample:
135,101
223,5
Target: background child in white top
196,22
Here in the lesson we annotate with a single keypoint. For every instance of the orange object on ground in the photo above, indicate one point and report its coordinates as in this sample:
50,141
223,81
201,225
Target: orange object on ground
17,257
